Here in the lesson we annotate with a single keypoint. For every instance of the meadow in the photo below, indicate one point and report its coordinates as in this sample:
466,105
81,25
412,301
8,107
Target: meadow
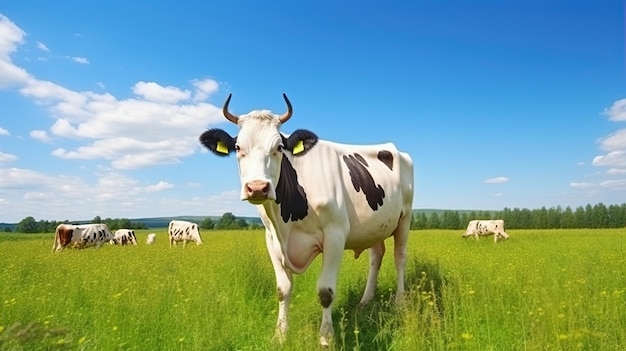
540,290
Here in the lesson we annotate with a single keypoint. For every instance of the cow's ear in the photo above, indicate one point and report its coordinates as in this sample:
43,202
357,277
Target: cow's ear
218,141
300,142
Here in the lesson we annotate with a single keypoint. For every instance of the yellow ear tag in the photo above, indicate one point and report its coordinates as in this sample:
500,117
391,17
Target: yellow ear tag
298,148
221,147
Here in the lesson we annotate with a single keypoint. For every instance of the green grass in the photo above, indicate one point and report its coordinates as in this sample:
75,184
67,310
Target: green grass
540,290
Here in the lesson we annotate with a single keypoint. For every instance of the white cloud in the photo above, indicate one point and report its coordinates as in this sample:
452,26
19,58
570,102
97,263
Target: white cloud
158,125
110,194
614,171
4,132
614,141
41,46
6,158
10,37
498,195
40,135
154,92
581,185
617,111
615,184
160,186
497,180
82,60
612,159
204,88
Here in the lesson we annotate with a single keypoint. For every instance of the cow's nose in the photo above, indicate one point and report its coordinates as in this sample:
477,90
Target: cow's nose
257,189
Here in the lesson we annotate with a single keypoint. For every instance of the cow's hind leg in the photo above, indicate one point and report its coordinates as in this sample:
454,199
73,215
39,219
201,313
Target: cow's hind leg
376,257
400,239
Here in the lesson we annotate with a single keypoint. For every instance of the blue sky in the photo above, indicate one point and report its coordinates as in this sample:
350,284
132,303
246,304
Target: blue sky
503,104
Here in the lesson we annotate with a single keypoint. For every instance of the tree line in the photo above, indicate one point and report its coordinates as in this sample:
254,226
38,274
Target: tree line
31,225
596,216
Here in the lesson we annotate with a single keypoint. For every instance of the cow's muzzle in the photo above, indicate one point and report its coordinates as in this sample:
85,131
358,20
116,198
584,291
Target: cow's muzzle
256,191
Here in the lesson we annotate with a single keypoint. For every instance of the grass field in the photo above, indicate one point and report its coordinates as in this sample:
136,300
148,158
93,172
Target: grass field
540,290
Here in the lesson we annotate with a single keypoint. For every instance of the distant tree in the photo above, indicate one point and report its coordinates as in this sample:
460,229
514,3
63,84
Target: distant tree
617,216
420,221
227,221
207,223
600,216
554,217
27,225
242,223
6,230
434,222
464,220
96,219
450,220
568,220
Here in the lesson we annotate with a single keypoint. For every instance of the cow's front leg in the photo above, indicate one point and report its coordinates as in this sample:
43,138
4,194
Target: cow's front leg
284,287
327,284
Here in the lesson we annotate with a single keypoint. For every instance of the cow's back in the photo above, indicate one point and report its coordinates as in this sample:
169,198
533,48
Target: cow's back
364,187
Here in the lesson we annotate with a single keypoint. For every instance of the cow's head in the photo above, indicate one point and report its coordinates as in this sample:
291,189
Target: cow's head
260,148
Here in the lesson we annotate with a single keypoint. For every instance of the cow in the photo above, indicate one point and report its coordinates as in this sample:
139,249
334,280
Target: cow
319,197
486,227
183,231
150,238
81,236
124,237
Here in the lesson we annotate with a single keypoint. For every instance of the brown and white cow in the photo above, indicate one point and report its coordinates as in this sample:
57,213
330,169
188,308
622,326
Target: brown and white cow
486,227
124,237
81,236
319,197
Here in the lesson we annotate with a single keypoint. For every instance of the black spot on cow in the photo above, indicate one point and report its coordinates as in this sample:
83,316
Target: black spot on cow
326,297
289,194
362,180
386,157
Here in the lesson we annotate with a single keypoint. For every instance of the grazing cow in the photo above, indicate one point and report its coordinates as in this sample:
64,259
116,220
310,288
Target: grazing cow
81,236
486,227
150,238
319,197
124,237
183,231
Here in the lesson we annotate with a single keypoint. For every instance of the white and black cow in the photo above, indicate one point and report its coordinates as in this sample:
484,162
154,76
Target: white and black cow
319,197
81,236
183,231
486,227
150,238
124,237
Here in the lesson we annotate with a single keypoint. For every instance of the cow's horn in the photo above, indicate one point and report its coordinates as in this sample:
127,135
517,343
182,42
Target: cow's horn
285,117
229,116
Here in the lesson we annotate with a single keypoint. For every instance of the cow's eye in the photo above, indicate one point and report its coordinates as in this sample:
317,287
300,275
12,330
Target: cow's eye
279,148
237,148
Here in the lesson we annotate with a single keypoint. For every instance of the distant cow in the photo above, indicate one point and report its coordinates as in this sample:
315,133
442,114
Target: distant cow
183,231
124,237
81,236
150,238
486,227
